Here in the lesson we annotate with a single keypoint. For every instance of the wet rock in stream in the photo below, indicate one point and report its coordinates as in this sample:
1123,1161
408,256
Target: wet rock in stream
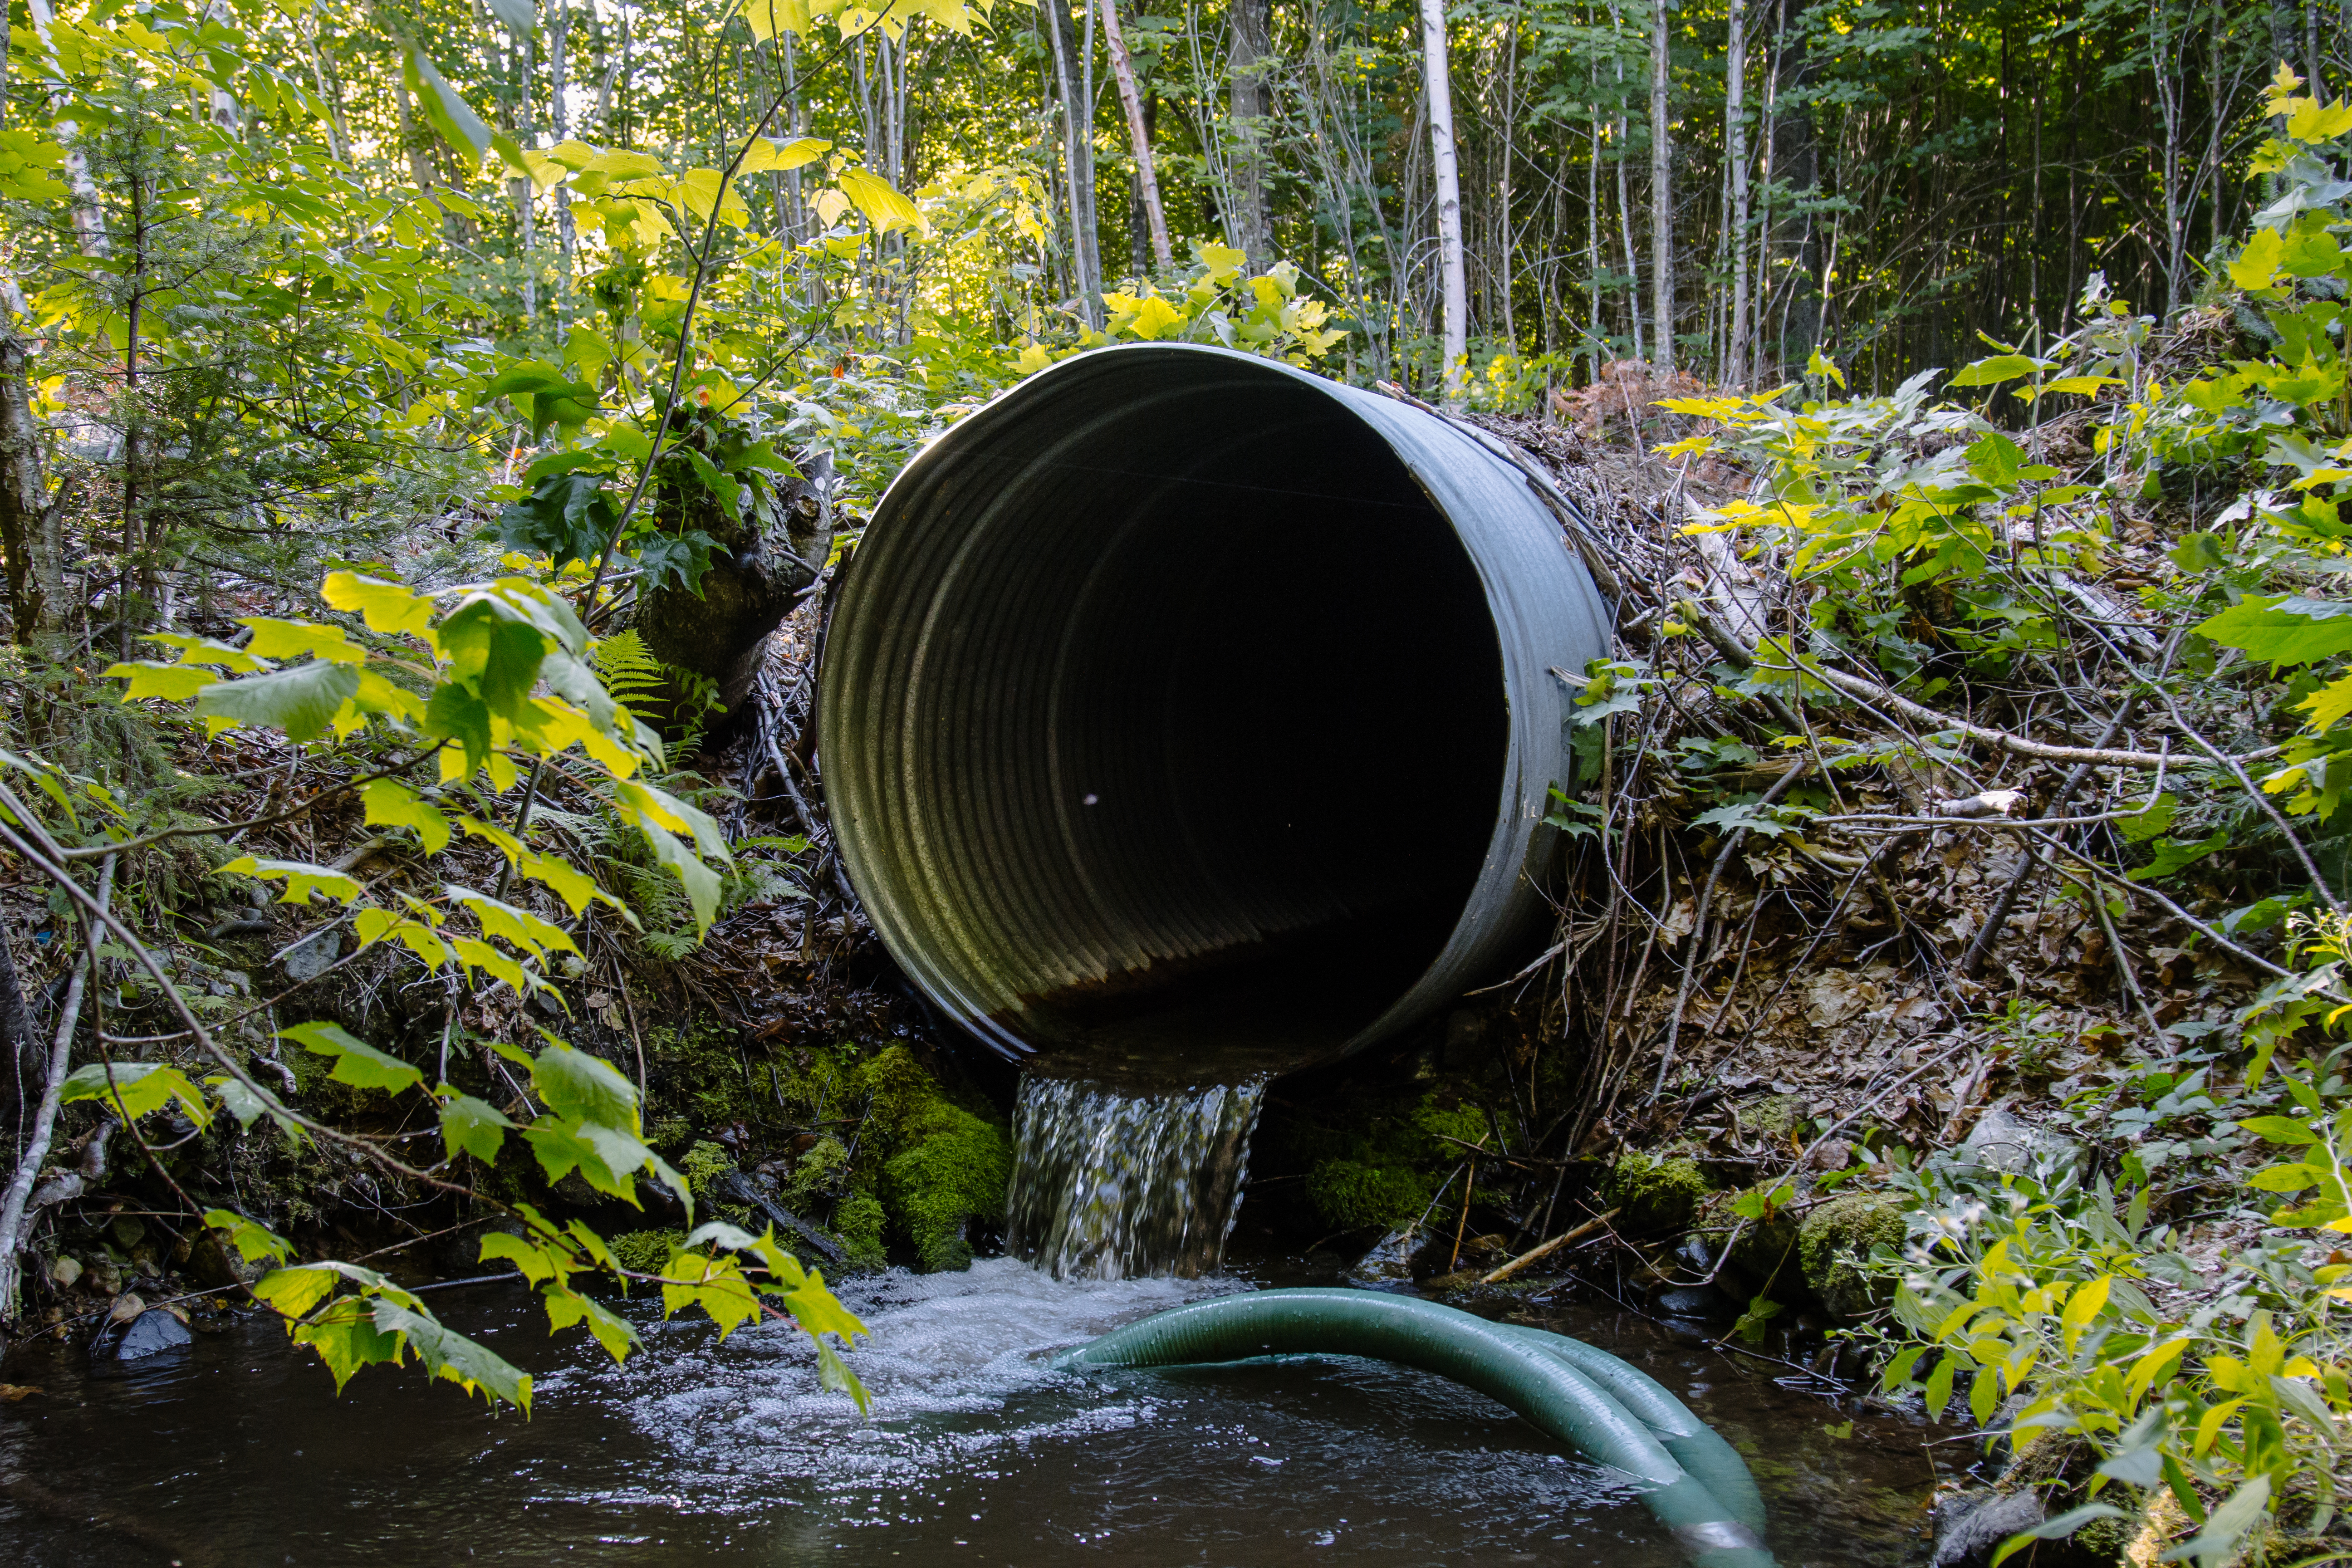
151,1334
134,1332
1971,1526
1700,1301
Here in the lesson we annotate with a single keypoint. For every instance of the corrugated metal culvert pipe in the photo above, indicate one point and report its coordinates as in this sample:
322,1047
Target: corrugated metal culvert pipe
1186,717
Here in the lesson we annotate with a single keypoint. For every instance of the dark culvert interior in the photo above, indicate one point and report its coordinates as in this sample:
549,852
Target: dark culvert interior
1181,725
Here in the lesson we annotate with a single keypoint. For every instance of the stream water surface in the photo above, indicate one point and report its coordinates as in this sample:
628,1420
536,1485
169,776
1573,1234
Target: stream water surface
237,1451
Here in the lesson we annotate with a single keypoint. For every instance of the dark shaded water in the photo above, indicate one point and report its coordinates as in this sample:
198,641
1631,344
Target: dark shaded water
237,1451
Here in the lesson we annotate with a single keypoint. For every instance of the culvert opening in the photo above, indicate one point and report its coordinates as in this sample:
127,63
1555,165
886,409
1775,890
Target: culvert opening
1165,720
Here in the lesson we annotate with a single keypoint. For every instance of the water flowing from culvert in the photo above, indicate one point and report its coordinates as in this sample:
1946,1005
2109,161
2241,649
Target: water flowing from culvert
1112,1183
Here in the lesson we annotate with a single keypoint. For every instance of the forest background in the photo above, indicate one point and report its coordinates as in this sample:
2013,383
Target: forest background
376,386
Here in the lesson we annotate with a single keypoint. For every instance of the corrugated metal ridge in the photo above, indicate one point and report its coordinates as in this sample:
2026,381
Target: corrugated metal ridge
1041,617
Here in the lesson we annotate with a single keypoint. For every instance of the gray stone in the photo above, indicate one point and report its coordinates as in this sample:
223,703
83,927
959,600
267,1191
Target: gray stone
1971,1526
152,1331
1697,1301
2002,1140
312,957
1390,1258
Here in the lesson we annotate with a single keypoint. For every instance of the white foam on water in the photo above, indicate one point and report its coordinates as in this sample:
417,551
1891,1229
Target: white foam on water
951,1364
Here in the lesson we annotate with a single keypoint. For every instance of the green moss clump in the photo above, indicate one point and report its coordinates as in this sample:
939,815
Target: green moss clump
1773,1117
667,1134
1835,1236
1383,1169
946,1166
646,1251
860,1221
938,1187
707,1165
818,1174
700,1076
1654,1194
1352,1194
2105,1538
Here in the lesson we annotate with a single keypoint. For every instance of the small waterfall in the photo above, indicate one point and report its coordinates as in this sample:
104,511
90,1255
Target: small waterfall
1108,1184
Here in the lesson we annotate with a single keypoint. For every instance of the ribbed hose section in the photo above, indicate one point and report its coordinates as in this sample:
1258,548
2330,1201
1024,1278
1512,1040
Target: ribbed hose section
1699,1448
1507,1364
1187,719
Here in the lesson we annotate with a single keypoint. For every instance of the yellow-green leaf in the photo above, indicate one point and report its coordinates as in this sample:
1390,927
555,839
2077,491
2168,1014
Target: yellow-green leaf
171,682
253,1242
302,701
520,927
302,878
388,608
137,1089
588,1087
388,803
766,154
884,208
769,18
565,1308
208,650
471,1126
2257,265
451,1355
2083,1308
2312,123
292,640
357,1063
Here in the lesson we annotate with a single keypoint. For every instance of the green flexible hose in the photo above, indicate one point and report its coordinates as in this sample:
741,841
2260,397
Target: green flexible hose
1568,1390
1698,1448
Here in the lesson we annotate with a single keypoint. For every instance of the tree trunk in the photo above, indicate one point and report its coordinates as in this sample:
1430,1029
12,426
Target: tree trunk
24,1065
1662,194
1624,198
29,518
1735,142
1796,163
1078,164
567,232
521,192
1147,180
1455,328
339,133
764,565
1592,237
18,1204
2165,58
90,225
1251,98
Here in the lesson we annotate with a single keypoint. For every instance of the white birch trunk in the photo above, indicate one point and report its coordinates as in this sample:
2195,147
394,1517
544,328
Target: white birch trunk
1078,164
1735,142
559,72
1454,327
1661,196
89,223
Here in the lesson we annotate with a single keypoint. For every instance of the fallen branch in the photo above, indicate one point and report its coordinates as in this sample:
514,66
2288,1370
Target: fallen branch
1547,1249
2017,745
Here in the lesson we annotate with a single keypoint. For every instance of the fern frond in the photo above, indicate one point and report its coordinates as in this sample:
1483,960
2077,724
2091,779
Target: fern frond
640,682
627,668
